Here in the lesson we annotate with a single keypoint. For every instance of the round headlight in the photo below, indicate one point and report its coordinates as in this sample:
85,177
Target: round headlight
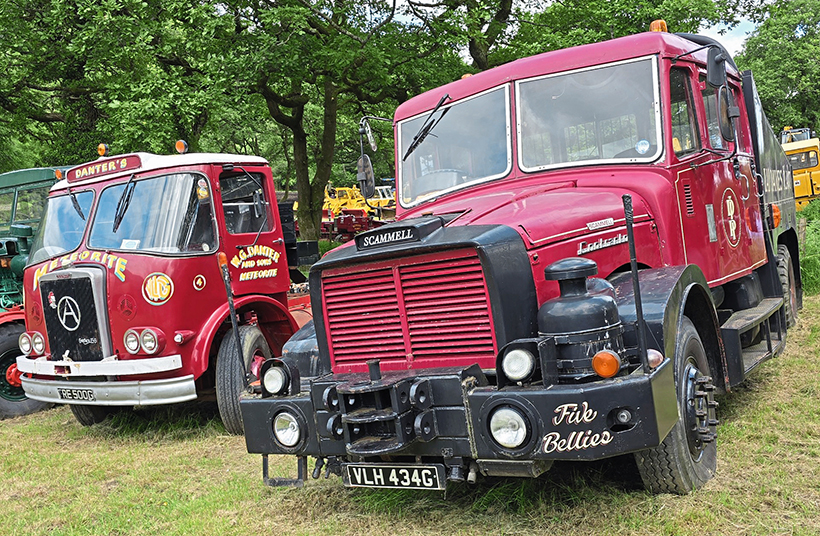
275,380
24,342
148,341
286,429
517,364
508,427
131,341
38,344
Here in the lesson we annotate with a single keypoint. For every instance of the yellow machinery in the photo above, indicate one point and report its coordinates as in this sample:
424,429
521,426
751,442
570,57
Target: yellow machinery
802,148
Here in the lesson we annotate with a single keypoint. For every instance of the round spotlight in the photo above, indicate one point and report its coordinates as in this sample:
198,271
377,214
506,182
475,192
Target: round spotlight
517,364
131,341
655,358
508,427
148,341
286,429
38,344
24,342
275,380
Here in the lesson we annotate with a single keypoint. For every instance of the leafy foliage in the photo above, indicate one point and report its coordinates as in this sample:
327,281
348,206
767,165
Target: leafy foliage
782,53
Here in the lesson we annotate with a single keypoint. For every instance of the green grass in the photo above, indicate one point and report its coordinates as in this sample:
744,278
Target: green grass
174,471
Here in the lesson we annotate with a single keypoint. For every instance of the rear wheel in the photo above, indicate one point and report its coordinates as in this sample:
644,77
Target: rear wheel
13,400
785,272
687,458
232,369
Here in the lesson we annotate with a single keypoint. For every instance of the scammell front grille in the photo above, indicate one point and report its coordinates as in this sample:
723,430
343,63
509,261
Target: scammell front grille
426,312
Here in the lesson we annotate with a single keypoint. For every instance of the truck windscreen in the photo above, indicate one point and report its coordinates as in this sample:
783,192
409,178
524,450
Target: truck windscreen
166,214
469,143
602,114
62,227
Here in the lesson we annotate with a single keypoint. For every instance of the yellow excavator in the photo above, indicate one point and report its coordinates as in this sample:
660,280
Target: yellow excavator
802,148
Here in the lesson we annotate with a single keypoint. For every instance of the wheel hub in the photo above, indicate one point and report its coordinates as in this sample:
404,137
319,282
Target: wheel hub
13,376
700,418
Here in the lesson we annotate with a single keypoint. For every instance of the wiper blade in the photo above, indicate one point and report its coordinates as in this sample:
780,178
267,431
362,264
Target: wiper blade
122,204
76,204
428,125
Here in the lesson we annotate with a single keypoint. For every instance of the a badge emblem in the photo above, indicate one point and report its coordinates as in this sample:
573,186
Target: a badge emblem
199,282
68,313
126,306
731,217
52,300
157,288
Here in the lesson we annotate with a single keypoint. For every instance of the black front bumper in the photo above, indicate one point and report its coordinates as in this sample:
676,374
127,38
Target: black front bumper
444,414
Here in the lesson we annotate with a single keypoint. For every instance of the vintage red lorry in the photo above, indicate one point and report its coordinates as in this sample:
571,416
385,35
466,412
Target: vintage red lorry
125,301
495,327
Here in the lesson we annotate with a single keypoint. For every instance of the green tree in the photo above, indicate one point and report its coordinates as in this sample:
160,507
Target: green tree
783,54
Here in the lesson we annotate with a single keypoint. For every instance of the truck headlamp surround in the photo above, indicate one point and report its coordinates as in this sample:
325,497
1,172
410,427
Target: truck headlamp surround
38,344
149,341
24,342
518,364
131,341
279,377
509,427
287,429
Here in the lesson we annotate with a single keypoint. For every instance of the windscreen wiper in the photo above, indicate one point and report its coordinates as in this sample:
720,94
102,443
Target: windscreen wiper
76,203
122,204
428,125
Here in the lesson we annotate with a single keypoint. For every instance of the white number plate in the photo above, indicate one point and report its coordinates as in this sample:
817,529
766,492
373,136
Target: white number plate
369,475
86,395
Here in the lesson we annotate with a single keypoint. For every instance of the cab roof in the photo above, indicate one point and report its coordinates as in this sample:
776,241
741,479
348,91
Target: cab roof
567,59
98,170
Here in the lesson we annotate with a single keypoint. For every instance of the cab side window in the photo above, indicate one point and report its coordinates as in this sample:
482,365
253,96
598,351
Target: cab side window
710,105
685,137
244,203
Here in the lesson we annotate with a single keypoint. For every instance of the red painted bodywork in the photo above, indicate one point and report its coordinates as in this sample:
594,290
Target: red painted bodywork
557,211
198,310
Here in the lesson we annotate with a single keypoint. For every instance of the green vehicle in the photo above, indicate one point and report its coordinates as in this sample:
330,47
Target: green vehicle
23,196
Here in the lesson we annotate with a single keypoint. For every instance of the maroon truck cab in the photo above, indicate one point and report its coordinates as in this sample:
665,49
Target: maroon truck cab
125,302
494,327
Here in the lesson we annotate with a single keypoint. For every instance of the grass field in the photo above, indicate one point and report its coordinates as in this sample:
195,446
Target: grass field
165,472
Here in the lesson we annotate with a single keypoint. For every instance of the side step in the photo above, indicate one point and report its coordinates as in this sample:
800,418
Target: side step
741,361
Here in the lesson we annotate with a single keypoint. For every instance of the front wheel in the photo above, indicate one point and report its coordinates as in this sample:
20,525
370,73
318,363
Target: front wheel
232,369
687,458
13,400
91,415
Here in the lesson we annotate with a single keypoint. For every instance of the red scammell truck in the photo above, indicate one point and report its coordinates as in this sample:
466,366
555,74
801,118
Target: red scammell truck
124,296
495,327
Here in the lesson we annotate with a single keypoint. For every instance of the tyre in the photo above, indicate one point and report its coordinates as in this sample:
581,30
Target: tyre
785,272
13,400
232,368
687,458
90,415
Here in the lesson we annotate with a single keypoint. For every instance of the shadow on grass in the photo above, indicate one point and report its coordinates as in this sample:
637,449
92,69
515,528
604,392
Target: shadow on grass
177,422
565,485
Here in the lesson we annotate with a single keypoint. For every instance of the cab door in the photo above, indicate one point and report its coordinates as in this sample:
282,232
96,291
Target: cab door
251,232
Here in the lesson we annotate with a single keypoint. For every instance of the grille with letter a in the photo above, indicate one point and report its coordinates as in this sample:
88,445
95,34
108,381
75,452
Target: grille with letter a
418,312
71,319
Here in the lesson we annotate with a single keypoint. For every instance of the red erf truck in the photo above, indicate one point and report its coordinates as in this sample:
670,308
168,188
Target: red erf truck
495,327
124,297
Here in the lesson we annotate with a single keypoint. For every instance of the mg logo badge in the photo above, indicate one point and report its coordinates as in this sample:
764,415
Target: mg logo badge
157,288
68,313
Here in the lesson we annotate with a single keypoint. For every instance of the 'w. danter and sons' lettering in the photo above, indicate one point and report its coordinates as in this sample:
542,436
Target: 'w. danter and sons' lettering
574,415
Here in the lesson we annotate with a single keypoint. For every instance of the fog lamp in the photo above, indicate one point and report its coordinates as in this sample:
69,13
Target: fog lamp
286,429
24,342
38,344
508,427
131,341
655,357
517,364
148,341
275,380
